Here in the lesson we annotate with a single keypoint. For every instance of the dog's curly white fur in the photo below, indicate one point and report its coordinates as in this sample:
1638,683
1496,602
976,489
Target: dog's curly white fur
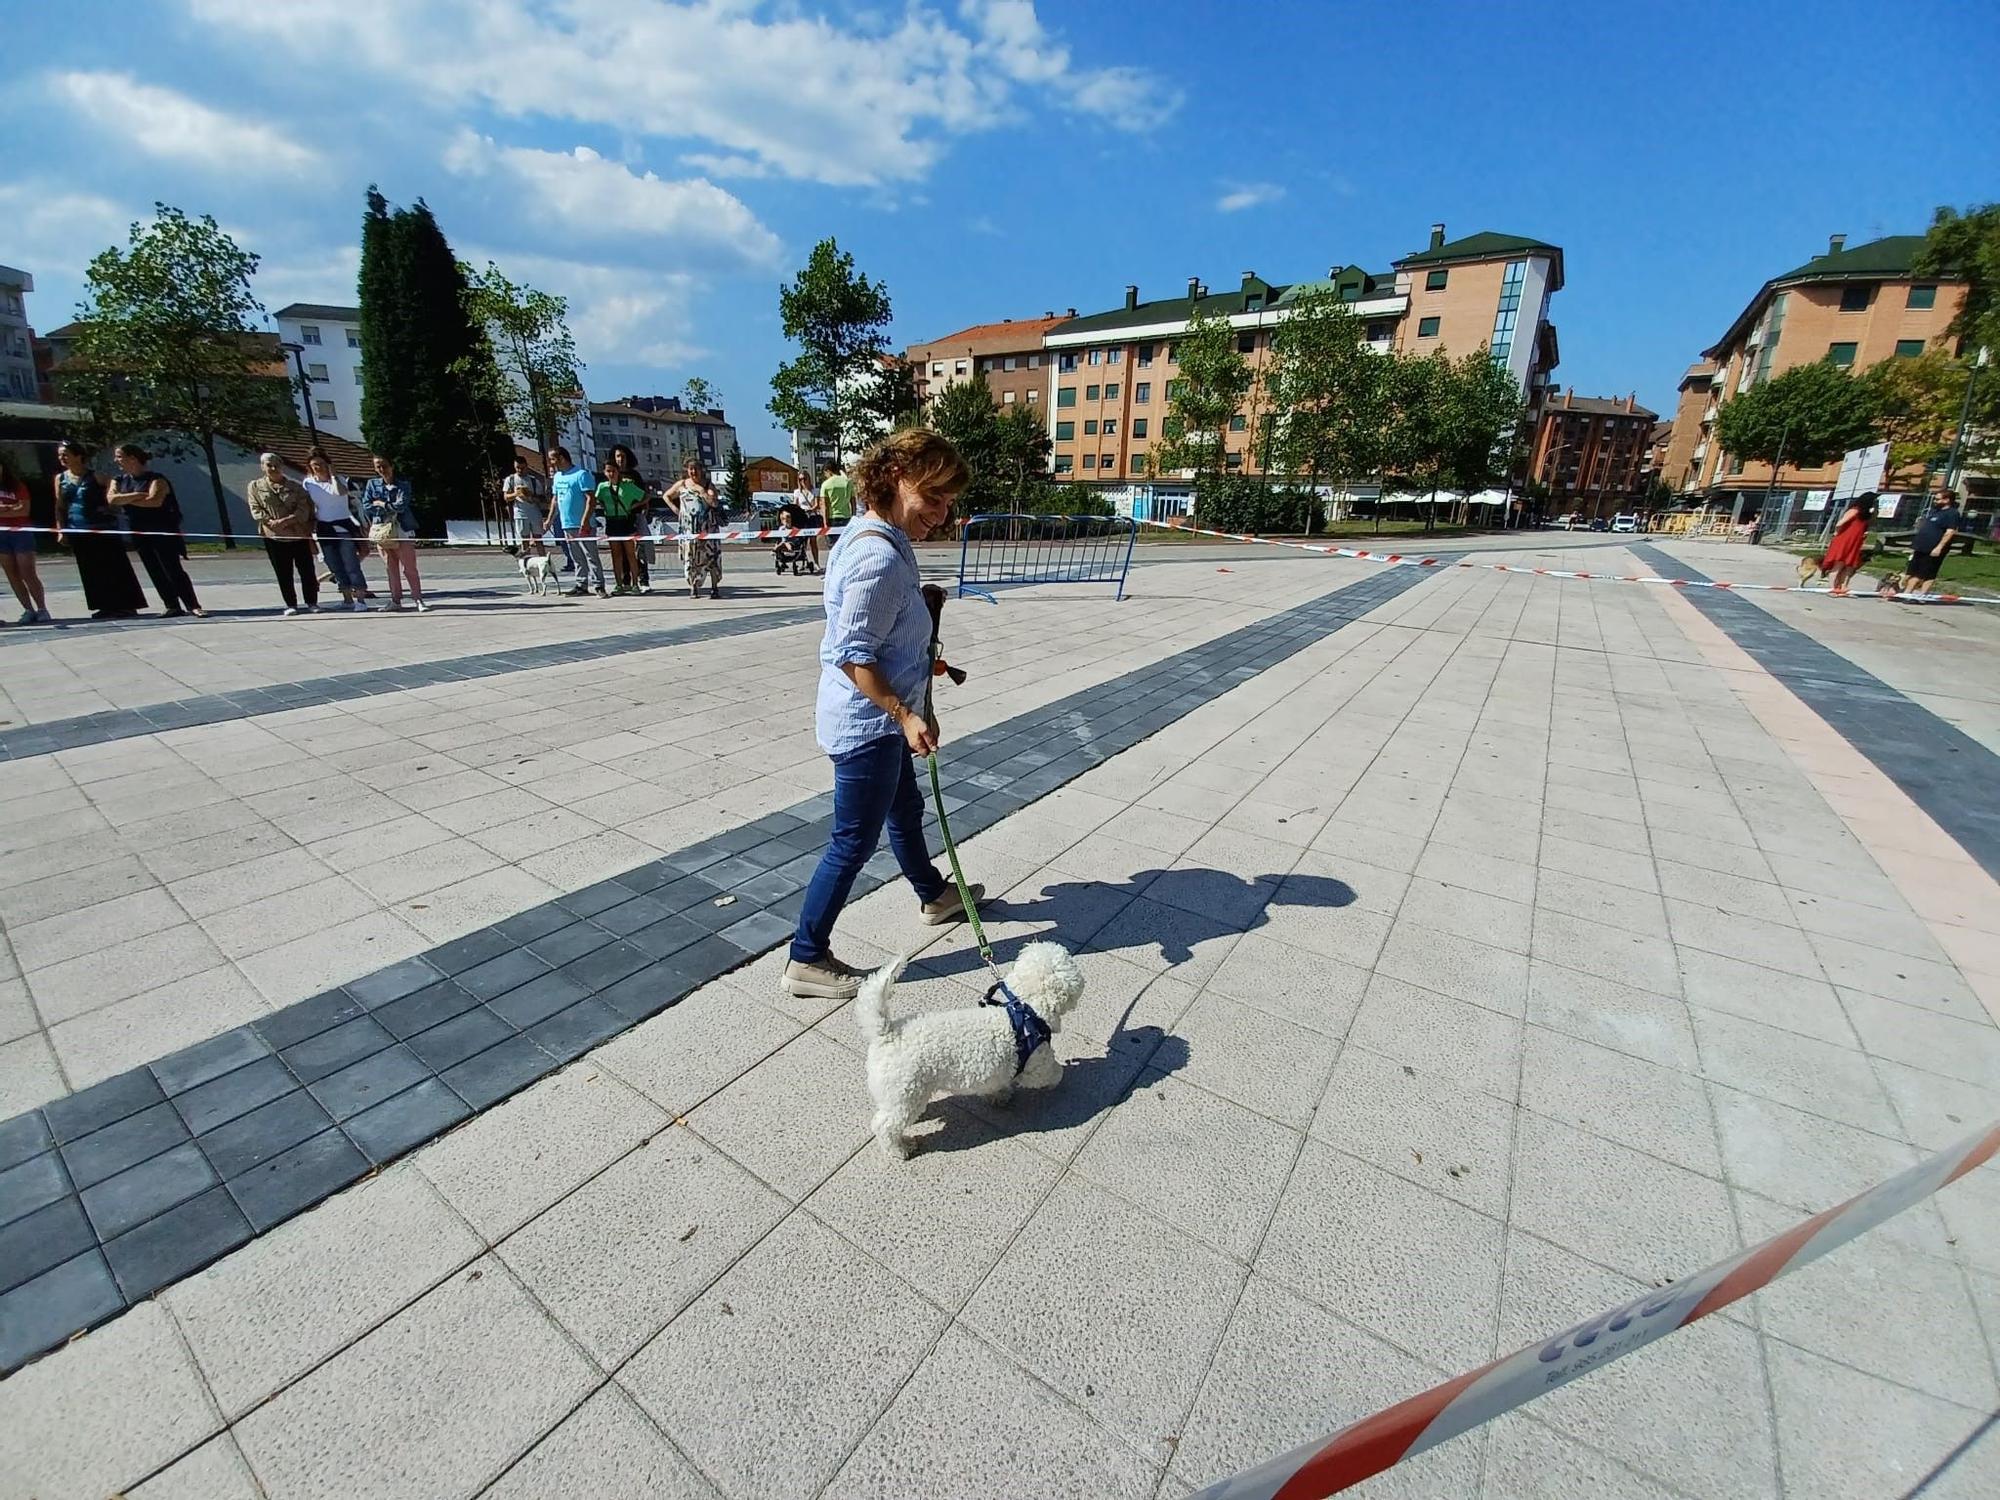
965,1051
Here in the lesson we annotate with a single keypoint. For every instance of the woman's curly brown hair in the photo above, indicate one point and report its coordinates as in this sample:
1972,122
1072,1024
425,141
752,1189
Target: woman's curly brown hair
929,462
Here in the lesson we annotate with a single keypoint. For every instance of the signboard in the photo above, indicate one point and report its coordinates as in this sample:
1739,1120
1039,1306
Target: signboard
1861,470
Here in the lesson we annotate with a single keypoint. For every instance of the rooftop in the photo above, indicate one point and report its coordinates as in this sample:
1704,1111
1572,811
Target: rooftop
1893,258
1486,245
1600,406
667,414
1011,333
326,312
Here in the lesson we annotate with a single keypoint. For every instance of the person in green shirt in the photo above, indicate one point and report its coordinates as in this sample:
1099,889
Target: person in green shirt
837,490
619,499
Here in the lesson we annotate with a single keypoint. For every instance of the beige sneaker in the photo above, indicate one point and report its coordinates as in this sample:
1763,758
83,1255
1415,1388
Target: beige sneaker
948,908
829,979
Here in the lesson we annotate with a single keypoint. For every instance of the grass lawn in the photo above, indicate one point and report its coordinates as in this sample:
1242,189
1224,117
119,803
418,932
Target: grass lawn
1339,531
1979,573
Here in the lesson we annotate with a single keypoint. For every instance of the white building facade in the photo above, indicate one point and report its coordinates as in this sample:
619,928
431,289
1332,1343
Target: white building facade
329,340
17,339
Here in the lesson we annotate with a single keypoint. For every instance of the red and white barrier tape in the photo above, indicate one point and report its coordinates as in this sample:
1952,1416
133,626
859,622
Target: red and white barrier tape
734,534
1444,1411
1401,560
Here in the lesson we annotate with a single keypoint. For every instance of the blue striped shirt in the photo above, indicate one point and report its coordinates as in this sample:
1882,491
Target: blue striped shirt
874,614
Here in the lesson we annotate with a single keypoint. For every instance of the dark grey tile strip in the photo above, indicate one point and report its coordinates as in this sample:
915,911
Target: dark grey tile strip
113,1192
1942,769
244,703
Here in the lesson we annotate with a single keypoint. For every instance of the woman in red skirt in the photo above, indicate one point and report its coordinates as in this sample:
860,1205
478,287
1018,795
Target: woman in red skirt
1843,557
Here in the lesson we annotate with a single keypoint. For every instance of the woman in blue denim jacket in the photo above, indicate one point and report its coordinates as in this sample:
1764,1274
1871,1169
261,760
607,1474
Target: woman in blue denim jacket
875,670
392,526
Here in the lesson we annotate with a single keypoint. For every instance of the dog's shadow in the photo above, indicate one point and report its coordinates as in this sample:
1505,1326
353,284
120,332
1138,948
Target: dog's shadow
1092,1085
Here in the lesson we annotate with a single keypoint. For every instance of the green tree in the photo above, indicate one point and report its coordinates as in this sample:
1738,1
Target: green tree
698,395
1328,395
736,487
530,367
1966,246
1421,431
1210,389
1806,417
427,405
165,344
1485,407
838,319
1916,405
1022,452
887,398
963,412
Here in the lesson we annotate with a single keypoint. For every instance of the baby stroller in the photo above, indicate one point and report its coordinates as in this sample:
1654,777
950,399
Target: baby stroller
791,550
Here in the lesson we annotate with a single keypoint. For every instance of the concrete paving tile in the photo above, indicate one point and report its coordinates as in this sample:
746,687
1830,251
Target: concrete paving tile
52,939
448,1392
1524,1458
1933,984
1349,933
295,1179
1441,1037
101,1414
927,1431
1936,1112
1773,945
1288,1372
1803,1160
214,1471
1843,1433
172,1244
1160,937
1407,1263
1468,869
1123,1006
1634,871
1207,1166
41,1239
1359,838
1450,965
1789,1002
1613,1205
616,1260
128,1033
17,1010
1255,1058
686,1053
1438,1134
1879,1306
793,1118
1110,1308
1899,931
45,894
1644,1105
254,926
123,1143
29,1074
320,960
606,1449
1594,901
1055,1122
120,970
140,1192
507,1165
1492,920
1639,1023
1150,828
1583,828
738,1380
1965,1049
405,875
1690,1411
1319,993
1626,958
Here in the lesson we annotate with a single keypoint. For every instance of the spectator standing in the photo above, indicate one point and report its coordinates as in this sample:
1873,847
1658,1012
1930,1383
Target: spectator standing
837,493
694,503
575,494
17,546
1844,555
286,520
642,530
339,530
392,526
153,515
619,499
1937,528
522,490
806,498
85,523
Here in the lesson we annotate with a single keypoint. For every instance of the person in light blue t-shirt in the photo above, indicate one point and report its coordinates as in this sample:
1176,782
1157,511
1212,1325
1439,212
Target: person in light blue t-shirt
573,488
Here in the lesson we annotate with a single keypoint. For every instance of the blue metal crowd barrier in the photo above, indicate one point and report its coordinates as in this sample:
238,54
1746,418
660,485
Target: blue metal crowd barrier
1004,550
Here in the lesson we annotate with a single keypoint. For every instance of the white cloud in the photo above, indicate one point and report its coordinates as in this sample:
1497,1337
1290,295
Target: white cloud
173,127
53,231
1248,195
594,200
619,315
771,90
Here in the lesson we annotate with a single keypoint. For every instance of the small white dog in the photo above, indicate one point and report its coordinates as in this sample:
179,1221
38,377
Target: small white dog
987,1050
539,571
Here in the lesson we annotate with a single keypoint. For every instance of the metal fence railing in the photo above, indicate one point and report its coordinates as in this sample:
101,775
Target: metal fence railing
999,551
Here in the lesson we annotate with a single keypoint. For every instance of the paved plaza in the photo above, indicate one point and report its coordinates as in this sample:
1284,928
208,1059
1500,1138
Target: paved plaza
395,1082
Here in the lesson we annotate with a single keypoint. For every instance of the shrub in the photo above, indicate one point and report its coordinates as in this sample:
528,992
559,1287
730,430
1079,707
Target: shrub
1237,503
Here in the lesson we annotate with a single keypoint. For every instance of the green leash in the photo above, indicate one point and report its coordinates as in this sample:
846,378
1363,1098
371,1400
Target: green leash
957,874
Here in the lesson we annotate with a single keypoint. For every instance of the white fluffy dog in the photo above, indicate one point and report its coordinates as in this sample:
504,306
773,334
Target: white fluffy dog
981,1049
539,571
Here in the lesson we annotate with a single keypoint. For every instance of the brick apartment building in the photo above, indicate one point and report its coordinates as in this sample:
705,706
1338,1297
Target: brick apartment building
1855,307
662,433
1593,453
1008,354
1107,373
1694,415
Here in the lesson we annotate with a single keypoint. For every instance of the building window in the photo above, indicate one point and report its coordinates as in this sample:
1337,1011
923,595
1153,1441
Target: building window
308,333
1427,328
1736,466
1173,352
1034,398
1238,423
1436,280
325,410
1090,392
1909,348
1139,425
1922,296
1090,460
1502,342
1111,391
1254,302
1065,431
1856,296
357,374
1173,389
1840,354
354,338
1111,427
1034,361
1010,363
1006,398
937,370
1063,463
316,372
1378,333
1246,342
1108,463
1097,356
1138,463
1066,395
1144,355
1066,361
1232,460
1113,356
958,367
1090,427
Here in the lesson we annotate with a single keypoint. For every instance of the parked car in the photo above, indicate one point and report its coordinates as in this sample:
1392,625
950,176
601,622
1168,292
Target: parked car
1625,522
1598,523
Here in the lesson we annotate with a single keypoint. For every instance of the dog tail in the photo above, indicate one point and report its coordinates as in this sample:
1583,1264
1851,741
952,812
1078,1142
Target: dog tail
871,1006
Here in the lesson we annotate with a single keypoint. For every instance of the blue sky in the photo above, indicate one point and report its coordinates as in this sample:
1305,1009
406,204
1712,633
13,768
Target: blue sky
666,165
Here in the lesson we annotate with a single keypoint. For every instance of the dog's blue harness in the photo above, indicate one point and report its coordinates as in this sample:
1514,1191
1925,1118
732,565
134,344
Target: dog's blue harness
1030,1030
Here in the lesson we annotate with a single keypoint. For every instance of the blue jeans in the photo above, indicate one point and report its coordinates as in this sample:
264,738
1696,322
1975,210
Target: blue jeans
874,785
336,546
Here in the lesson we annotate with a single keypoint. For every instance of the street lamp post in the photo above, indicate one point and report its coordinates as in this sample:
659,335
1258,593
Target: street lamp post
298,354
1964,420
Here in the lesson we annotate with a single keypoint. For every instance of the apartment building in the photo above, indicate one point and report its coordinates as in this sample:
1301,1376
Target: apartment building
1592,452
17,338
1693,424
1853,307
1109,376
1008,354
329,340
663,433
